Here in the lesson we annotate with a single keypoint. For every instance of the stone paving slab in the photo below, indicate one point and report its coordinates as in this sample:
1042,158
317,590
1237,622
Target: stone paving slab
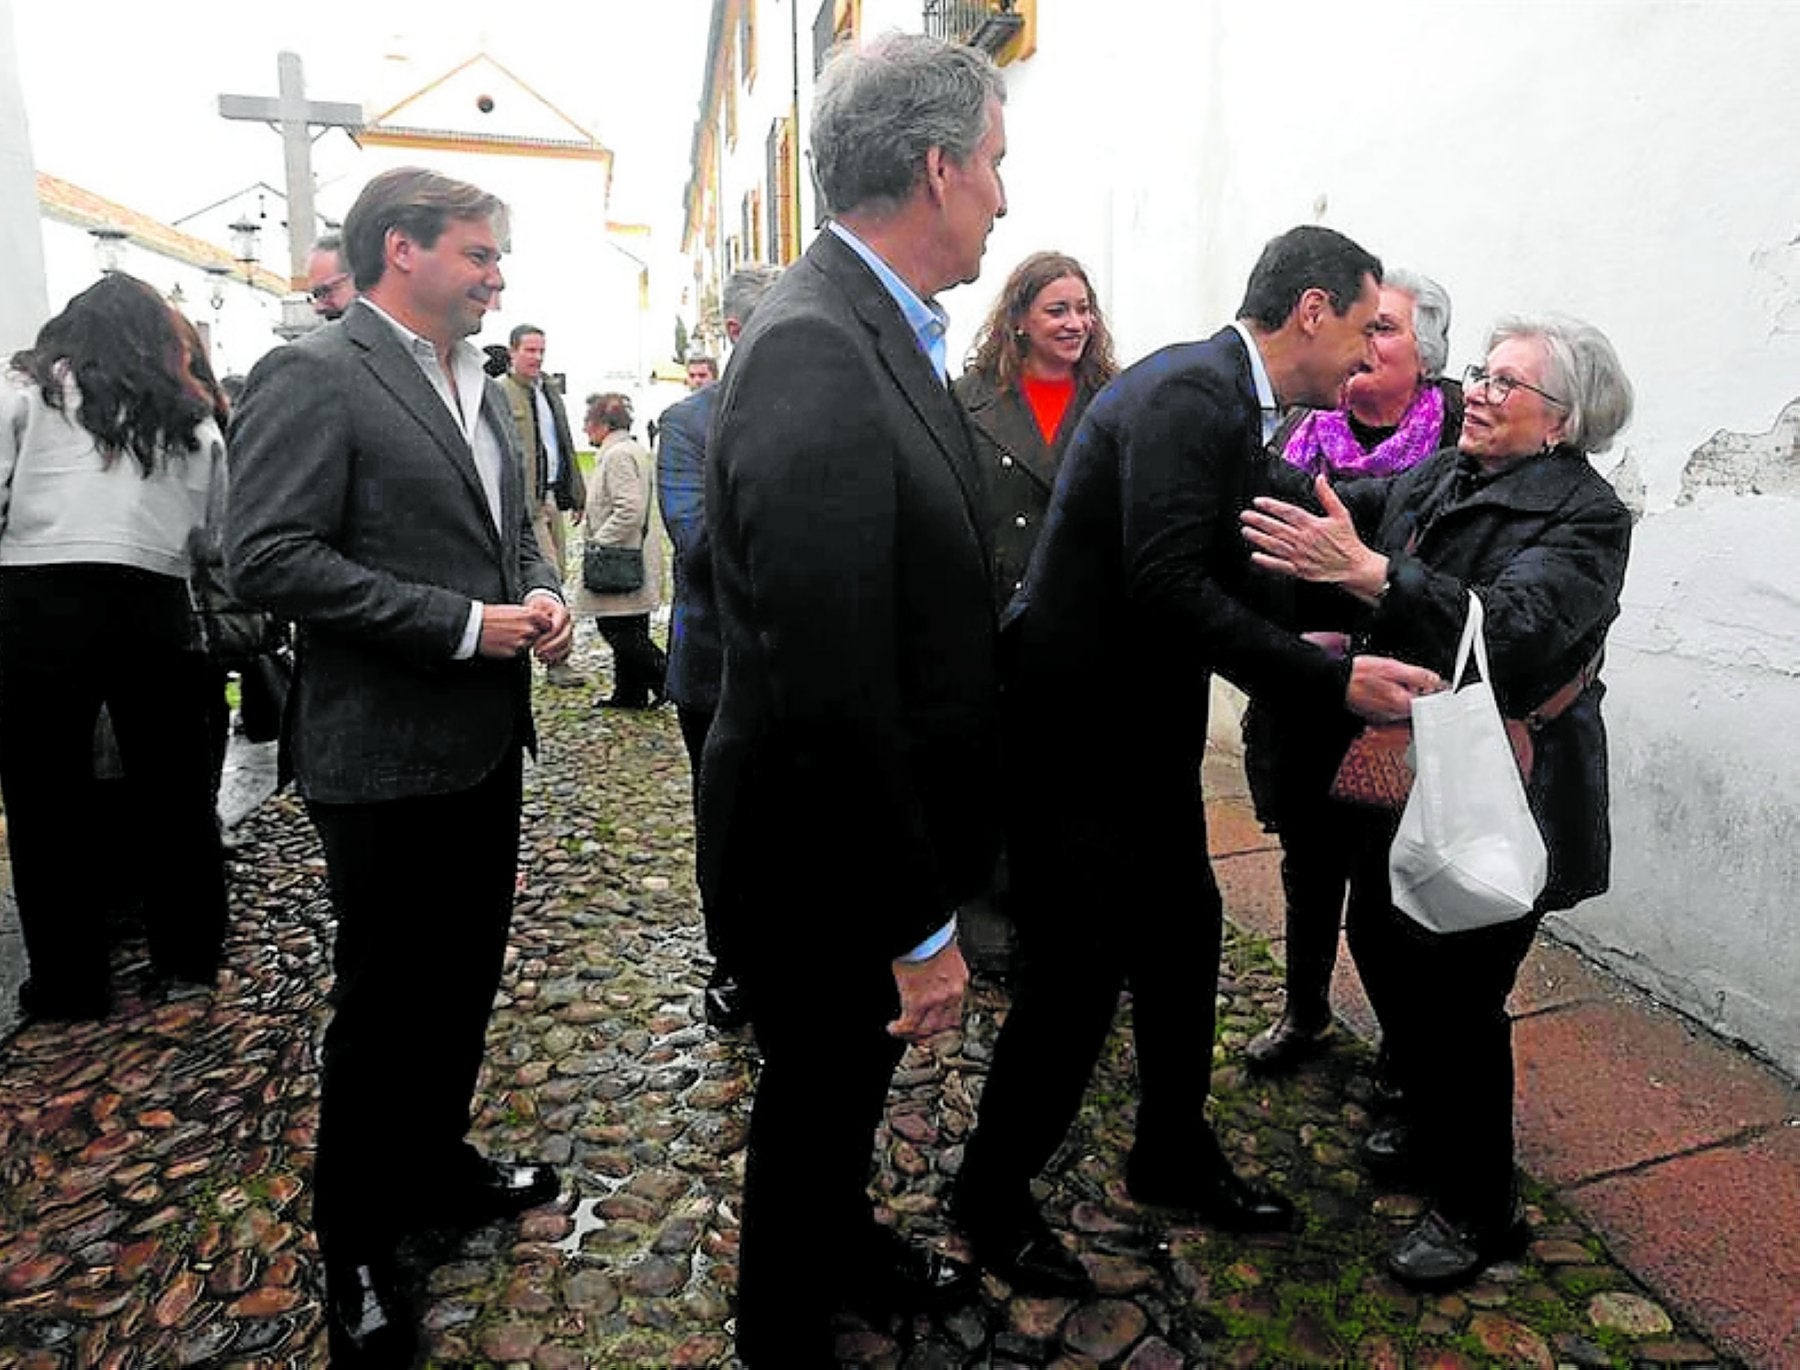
1737,1268
1611,1084
155,1169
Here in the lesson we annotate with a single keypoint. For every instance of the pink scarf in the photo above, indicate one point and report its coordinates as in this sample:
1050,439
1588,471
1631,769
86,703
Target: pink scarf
1324,443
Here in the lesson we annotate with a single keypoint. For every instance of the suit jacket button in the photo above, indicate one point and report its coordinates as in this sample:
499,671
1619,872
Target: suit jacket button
1006,461
1019,521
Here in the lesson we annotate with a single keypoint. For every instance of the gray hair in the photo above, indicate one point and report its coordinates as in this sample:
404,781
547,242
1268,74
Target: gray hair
879,109
333,243
1583,370
744,289
1431,317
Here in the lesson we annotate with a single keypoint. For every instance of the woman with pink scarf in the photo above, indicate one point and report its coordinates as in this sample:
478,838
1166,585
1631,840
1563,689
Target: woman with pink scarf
1391,417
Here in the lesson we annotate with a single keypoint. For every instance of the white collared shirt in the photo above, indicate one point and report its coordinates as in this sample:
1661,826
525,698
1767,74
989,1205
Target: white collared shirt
1259,376
464,403
546,427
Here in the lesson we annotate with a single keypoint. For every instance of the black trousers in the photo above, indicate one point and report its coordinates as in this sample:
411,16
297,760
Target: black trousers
1106,898
73,637
1318,847
639,665
695,724
423,890
1441,1001
1290,757
827,1064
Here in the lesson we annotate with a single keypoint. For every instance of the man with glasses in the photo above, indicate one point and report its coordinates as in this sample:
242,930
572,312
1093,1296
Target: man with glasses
328,278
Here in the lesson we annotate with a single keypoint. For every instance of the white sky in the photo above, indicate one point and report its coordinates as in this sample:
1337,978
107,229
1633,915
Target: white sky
122,96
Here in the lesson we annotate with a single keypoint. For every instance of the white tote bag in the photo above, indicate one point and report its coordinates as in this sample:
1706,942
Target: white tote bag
1468,853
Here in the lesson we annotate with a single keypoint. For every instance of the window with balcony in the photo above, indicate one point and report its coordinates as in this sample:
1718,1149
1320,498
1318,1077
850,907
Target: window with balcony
1000,28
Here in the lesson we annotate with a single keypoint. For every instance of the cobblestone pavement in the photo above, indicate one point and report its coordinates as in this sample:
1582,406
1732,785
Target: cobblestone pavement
154,1169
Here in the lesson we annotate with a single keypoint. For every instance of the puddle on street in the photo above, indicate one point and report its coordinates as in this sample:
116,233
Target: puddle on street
586,1220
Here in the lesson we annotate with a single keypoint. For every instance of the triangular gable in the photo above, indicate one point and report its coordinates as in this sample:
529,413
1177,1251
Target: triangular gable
452,107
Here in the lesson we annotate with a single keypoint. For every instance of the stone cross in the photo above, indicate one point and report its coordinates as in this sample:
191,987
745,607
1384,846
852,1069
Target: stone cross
297,117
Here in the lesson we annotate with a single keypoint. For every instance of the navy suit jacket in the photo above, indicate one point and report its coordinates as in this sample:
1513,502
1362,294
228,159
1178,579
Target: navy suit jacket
356,511
696,657
1141,573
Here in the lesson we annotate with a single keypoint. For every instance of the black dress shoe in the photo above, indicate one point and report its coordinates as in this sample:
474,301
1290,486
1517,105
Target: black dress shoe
1218,1194
1389,1155
894,1277
369,1324
1020,1248
1286,1045
724,1004
502,1189
1440,1253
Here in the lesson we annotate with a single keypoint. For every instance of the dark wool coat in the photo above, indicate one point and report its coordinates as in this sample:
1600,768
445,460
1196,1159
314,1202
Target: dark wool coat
1019,466
848,800
1544,544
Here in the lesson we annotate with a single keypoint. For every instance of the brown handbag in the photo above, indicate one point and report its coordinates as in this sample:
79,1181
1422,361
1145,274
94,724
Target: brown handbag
1377,774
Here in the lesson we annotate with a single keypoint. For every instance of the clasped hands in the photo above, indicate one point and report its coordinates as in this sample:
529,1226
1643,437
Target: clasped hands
541,626
1325,549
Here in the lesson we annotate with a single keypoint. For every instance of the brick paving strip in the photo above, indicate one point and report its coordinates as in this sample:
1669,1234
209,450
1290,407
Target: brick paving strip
154,1201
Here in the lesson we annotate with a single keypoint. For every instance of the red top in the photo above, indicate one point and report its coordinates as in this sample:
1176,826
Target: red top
1049,401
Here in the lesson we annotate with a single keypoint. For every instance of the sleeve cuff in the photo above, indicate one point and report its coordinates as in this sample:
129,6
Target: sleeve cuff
471,638
933,944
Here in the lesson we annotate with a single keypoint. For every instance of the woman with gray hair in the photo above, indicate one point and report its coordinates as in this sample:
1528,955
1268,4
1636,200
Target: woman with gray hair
1517,515
1392,416
1401,410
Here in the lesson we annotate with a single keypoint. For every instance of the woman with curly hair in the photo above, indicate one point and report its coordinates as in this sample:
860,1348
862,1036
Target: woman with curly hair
106,441
1042,354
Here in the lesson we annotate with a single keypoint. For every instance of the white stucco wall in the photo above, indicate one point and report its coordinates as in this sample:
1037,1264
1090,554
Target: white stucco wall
241,329
24,303
1630,163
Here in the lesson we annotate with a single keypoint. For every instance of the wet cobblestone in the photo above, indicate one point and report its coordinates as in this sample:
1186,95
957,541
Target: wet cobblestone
155,1168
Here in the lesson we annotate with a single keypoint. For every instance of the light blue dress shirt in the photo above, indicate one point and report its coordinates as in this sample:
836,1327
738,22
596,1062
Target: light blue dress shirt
926,318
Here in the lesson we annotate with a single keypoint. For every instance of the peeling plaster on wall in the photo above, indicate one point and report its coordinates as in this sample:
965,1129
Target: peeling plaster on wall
1627,480
1747,463
1780,262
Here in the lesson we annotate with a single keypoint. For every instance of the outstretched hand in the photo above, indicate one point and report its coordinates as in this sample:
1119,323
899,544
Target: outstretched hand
1323,548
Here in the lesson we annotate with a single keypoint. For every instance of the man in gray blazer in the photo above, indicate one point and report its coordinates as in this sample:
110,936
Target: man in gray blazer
376,501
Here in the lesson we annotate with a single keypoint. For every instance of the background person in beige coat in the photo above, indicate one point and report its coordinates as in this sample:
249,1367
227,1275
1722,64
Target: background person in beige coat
621,513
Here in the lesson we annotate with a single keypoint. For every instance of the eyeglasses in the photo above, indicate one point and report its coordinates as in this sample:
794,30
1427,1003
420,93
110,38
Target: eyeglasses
327,287
1499,387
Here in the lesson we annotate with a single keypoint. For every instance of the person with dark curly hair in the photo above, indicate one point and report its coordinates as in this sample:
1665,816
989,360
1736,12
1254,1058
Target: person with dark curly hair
106,439
1042,354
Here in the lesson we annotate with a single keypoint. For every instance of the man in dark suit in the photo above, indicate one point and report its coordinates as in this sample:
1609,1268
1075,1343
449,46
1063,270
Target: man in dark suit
376,501
1141,565
847,792
695,654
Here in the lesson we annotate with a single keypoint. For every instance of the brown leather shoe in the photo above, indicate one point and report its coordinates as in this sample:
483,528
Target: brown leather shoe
1285,1045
